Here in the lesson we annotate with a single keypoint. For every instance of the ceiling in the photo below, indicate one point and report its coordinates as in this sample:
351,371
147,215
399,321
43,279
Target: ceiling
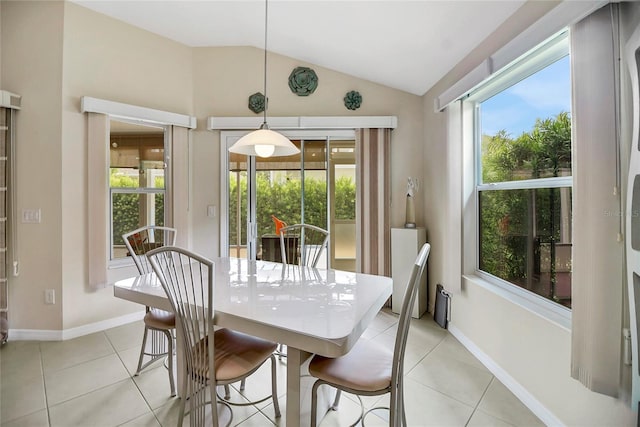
404,44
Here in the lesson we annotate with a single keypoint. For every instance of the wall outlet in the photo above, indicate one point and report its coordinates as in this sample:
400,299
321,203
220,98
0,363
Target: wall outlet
50,296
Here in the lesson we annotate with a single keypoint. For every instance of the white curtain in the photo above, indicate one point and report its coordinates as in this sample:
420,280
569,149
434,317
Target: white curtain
179,194
98,208
598,279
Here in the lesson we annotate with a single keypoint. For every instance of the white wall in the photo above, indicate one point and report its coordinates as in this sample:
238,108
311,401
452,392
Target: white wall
528,351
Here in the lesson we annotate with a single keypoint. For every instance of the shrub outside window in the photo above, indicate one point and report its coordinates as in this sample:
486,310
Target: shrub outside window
523,184
136,182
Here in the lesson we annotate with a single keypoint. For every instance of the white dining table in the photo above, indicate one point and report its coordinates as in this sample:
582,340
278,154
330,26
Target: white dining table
311,311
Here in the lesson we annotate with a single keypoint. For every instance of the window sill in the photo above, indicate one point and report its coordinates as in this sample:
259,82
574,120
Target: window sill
554,313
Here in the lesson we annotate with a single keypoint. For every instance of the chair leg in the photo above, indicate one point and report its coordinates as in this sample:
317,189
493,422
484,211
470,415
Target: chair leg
274,387
314,404
183,401
142,350
170,365
401,404
336,401
242,384
227,392
397,415
393,408
214,403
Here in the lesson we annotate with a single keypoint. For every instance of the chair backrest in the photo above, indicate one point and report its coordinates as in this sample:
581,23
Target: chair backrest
187,278
404,319
144,239
302,244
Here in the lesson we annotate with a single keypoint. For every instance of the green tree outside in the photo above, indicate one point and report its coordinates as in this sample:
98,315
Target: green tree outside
508,216
126,207
283,199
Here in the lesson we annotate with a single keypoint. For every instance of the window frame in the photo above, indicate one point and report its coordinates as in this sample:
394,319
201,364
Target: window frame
228,138
548,52
99,113
166,191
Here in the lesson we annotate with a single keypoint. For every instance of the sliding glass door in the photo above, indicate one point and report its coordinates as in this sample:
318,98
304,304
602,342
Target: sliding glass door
313,187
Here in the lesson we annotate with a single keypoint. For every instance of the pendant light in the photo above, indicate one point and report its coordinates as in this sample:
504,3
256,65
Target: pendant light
264,142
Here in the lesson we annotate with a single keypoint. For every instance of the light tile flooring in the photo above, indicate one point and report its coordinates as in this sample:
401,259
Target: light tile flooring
88,381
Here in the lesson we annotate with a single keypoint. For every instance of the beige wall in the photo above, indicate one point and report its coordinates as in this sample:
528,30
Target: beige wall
32,67
225,77
107,59
73,52
53,53
531,350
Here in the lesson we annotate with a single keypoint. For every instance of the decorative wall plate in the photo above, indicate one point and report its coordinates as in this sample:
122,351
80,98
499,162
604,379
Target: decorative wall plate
352,100
256,102
303,81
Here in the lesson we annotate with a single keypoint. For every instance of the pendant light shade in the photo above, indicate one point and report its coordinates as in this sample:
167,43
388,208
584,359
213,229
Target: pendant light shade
264,142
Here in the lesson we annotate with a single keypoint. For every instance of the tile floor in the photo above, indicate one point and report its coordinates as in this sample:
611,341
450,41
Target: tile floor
88,381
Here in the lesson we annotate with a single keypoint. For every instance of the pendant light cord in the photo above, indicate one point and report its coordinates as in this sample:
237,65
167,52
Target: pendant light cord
266,100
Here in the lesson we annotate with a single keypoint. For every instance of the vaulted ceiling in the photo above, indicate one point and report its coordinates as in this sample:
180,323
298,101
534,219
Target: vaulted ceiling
407,45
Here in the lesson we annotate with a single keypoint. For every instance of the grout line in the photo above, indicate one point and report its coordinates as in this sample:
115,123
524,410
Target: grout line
480,400
134,382
44,384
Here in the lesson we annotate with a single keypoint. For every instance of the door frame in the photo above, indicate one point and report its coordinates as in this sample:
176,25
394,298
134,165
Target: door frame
227,139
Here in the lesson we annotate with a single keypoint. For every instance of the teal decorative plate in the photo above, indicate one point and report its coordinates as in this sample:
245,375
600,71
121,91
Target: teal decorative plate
303,81
352,100
256,102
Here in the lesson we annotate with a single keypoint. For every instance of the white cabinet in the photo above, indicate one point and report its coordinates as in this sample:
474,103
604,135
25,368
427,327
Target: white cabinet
405,245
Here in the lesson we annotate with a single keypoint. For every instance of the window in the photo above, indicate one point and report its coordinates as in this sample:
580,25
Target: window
314,187
136,180
524,180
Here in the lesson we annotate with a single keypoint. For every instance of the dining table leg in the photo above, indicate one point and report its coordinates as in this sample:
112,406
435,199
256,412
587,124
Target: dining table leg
299,384
296,413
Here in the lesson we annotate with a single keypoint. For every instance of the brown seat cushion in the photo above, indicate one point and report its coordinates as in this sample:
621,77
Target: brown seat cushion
236,354
160,319
366,367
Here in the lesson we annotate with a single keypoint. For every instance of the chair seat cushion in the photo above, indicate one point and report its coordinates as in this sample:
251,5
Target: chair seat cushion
236,354
160,319
367,367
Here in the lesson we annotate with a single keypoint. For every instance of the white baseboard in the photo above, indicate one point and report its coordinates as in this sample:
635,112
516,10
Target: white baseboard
34,335
66,334
515,387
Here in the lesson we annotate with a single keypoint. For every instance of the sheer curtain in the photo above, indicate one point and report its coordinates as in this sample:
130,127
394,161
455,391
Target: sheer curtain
373,201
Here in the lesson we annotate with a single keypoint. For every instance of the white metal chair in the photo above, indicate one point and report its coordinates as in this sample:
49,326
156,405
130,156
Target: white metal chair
304,244
301,244
370,369
158,324
212,357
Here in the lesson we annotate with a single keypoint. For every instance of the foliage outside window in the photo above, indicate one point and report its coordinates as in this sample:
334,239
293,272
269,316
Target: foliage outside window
282,199
137,185
524,181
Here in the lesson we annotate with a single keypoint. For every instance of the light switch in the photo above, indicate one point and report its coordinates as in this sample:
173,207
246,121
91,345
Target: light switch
211,211
31,216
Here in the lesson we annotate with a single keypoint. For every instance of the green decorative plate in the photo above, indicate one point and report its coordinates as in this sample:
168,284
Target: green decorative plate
352,100
303,81
256,102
